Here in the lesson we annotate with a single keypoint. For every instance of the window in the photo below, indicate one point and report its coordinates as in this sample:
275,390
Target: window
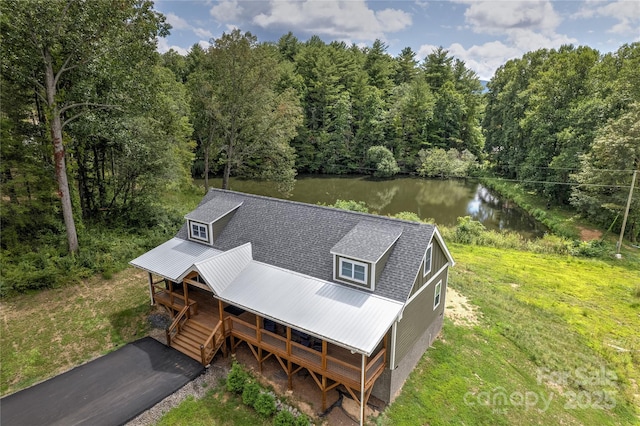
352,270
199,232
427,260
437,293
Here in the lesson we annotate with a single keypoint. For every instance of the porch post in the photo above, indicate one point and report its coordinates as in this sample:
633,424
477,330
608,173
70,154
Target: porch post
362,376
224,331
153,302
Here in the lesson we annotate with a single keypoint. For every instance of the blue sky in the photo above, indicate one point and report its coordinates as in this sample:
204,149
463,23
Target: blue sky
485,34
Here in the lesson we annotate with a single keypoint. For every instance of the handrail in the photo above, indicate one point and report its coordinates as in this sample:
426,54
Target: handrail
160,289
209,342
176,322
344,364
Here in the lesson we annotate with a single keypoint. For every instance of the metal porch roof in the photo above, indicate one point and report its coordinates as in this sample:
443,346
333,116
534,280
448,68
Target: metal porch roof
172,258
348,317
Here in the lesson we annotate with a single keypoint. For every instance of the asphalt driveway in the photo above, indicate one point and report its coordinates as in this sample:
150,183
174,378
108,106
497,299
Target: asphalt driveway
110,390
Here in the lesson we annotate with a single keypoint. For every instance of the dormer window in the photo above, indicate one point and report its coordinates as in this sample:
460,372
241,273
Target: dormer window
199,232
206,223
427,260
354,271
361,254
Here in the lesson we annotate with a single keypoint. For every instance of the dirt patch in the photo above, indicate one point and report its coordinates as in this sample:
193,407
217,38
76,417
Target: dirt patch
589,234
460,310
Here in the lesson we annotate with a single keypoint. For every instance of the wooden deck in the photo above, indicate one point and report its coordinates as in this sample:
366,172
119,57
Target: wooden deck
329,365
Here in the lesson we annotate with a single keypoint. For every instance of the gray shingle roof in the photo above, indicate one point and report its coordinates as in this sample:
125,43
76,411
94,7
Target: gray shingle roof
213,210
368,241
299,237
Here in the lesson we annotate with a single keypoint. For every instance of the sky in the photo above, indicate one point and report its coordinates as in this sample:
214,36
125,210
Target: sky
484,34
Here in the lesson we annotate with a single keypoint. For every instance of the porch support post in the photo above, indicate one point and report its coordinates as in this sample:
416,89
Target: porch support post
362,377
259,337
289,366
224,331
185,289
150,276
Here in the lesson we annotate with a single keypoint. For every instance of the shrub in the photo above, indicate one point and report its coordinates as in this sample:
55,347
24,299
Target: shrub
594,248
302,420
383,161
250,393
410,216
284,418
236,378
468,230
354,206
265,405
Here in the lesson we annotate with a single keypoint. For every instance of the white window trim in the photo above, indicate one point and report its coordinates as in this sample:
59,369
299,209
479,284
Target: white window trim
200,226
353,262
437,294
429,251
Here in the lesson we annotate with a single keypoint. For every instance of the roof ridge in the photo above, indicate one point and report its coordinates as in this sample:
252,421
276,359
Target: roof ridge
320,206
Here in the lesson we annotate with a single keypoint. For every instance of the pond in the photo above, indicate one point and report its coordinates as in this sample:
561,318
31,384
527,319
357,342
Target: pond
441,200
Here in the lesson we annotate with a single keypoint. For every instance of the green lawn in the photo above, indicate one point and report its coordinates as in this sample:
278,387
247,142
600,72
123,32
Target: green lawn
217,408
557,343
50,331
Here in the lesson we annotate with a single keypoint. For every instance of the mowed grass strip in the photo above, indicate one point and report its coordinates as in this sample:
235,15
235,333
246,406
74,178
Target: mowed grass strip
556,343
50,331
217,408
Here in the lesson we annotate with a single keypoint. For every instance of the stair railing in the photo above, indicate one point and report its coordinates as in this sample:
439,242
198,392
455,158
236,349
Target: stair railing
176,325
209,348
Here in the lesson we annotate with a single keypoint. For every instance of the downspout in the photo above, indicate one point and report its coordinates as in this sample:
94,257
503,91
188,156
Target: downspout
362,374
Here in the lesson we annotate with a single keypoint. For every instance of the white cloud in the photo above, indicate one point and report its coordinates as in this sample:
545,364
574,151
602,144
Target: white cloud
486,58
350,19
202,33
226,10
492,17
523,26
627,14
527,40
163,47
177,22
204,44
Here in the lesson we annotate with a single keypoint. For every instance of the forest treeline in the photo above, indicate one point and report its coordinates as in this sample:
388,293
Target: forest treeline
96,125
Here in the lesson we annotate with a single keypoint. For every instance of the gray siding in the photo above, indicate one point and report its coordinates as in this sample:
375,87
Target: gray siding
390,382
220,224
381,263
438,260
418,315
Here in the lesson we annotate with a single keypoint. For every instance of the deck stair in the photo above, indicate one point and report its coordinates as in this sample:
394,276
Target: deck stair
195,339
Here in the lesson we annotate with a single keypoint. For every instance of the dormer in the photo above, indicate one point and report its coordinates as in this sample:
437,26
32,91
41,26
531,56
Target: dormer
360,256
207,222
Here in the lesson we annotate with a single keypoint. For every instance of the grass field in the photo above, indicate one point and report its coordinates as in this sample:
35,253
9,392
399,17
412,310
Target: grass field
50,331
556,343
217,408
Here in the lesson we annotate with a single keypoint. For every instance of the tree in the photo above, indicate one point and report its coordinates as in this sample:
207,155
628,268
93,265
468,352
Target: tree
54,45
606,174
254,122
382,159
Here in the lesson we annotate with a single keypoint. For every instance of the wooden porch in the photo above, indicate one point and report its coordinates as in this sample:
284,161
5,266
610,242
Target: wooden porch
328,364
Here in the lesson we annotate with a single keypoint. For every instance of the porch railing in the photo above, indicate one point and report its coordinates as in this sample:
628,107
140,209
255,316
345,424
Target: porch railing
317,361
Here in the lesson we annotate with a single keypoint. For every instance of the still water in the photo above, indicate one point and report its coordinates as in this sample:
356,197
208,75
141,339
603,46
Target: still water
441,200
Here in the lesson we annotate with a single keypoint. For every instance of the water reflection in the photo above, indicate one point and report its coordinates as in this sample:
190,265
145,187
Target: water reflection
441,200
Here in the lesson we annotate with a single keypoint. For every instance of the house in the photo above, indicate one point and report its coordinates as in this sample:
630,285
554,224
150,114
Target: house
353,298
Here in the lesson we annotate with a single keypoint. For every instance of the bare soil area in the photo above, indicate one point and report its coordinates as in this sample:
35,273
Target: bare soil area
459,310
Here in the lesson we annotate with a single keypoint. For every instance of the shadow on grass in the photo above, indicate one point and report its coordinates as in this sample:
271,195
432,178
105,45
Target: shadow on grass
130,324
